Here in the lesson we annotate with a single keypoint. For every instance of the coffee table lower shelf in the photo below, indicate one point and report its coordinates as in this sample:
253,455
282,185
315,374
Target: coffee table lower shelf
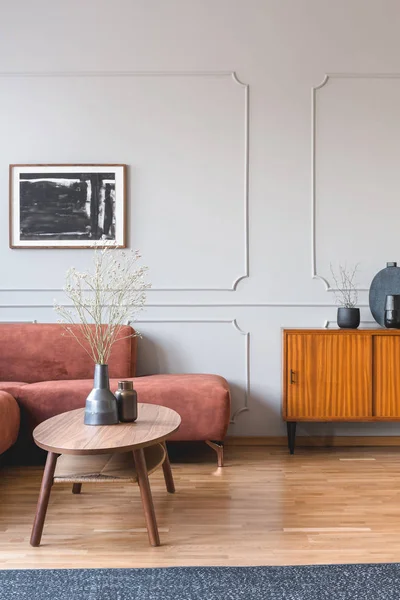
106,468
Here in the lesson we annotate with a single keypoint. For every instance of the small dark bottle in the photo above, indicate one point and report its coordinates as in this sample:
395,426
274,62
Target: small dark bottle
126,401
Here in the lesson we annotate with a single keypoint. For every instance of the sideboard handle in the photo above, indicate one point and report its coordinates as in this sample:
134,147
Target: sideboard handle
292,376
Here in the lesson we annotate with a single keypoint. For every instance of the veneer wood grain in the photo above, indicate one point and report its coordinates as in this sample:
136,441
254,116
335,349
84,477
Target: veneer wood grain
67,434
387,376
328,377
341,375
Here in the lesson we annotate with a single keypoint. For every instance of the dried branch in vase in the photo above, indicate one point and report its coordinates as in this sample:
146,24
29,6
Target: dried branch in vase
108,298
346,292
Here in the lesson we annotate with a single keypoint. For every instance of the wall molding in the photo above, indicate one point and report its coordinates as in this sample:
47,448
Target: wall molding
327,77
233,322
166,73
245,407
186,74
19,321
314,273
203,305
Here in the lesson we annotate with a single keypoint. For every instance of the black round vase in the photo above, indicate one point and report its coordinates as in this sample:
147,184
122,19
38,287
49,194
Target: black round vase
348,318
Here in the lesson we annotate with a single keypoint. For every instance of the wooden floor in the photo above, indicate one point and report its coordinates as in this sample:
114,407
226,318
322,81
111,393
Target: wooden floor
264,508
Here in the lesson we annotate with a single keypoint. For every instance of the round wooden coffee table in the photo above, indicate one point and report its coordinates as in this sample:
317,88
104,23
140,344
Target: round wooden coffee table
126,452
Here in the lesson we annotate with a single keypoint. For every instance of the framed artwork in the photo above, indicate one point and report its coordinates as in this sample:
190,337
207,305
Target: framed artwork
67,206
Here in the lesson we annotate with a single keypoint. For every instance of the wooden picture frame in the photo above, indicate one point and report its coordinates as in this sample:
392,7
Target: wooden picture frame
67,205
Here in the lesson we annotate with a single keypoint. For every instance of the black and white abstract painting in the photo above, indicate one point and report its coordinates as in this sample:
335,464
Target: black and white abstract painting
67,206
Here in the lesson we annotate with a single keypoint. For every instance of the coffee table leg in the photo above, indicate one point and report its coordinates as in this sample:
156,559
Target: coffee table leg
169,480
147,500
47,482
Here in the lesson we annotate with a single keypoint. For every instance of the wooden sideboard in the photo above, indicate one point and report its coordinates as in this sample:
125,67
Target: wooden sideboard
340,375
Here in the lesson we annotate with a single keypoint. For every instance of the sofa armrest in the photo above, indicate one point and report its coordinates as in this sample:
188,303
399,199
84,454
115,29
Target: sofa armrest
9,421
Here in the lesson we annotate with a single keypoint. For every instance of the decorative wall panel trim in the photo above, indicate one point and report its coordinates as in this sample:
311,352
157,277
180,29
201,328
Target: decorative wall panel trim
246,122
245,407
314,90
18,321
314,273
208,305
18,74
246,266
246,335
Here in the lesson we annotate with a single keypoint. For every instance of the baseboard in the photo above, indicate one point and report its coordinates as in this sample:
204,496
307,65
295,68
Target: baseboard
327,441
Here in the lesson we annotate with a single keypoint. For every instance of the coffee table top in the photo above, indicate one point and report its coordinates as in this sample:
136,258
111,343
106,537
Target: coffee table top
67,434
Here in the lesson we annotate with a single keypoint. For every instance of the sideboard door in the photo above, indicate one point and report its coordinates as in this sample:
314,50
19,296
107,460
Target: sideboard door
387,376
329,376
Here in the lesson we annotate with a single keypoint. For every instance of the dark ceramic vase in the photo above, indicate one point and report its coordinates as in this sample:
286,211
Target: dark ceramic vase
348,318
392,311
126,401
385,283
101,405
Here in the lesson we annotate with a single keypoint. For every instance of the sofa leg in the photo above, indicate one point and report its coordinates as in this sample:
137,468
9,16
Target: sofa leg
219,449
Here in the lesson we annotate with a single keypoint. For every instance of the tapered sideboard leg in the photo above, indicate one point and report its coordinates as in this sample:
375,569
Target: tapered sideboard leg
76,488
291,434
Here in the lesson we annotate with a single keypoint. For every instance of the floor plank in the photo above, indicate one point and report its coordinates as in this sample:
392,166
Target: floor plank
264,508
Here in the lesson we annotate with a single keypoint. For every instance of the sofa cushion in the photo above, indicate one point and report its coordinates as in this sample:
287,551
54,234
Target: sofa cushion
9,421
11,387
32,352
203,401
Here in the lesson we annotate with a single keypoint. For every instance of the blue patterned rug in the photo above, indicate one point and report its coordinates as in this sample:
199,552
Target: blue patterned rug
330,582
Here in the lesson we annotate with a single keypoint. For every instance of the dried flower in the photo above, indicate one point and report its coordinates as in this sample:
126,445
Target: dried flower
108,297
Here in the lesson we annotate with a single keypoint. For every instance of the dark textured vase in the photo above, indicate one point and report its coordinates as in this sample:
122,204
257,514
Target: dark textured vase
126,401
348,318
101,404
386,282
392,311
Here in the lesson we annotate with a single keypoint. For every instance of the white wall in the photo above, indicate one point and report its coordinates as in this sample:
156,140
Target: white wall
228,236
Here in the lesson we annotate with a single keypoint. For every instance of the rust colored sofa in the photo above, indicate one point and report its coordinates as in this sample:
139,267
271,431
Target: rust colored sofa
9,420
44,372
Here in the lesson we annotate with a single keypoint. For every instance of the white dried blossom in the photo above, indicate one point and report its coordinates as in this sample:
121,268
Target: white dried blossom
108,296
